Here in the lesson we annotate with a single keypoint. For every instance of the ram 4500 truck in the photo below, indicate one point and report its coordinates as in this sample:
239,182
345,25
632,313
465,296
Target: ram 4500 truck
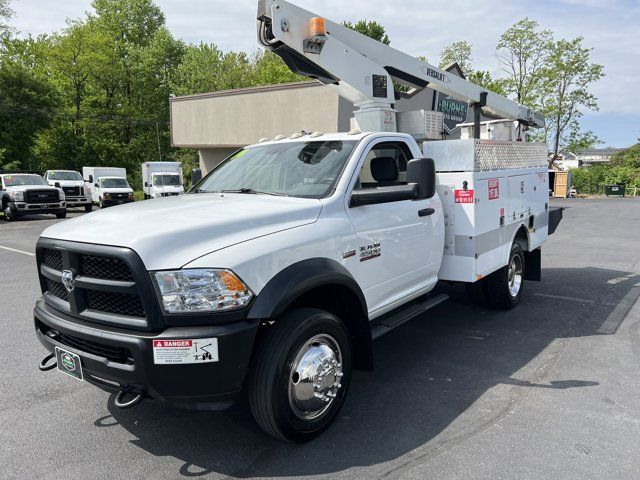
277,270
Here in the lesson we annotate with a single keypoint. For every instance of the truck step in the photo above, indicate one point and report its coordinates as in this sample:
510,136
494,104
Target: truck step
384,325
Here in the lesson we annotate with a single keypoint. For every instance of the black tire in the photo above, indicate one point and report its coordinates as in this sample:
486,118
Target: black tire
100,204
499,288
9,215
88,208
272,376
61,215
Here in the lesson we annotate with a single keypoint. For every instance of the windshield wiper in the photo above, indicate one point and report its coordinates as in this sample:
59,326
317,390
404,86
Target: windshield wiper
251,191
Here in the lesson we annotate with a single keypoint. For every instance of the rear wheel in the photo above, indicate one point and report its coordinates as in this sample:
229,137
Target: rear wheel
300,375
504,287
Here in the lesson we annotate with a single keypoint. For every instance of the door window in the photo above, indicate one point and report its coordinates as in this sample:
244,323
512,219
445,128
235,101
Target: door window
385,166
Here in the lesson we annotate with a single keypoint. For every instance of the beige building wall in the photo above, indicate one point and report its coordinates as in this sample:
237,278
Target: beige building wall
219,123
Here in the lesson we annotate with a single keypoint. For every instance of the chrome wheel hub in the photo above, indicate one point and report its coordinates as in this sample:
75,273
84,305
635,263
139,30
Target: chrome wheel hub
515,276
315,377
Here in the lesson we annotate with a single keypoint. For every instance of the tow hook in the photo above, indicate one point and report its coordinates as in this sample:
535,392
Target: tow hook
121,404
43,363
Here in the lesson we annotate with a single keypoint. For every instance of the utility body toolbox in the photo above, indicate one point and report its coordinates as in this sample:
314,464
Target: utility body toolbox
490,190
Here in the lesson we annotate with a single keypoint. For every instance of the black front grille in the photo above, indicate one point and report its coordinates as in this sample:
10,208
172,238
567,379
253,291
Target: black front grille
57,289
71,191
107,287
117,303
106,268
53,259
41,196
119,196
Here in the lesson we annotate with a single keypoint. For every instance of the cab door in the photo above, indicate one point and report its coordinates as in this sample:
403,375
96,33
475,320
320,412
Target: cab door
399,243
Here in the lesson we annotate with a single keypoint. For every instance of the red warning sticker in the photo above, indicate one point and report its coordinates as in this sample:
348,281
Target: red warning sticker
464,196
494,189
180,352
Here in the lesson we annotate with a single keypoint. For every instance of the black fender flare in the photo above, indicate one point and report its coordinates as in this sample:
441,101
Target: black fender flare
302,277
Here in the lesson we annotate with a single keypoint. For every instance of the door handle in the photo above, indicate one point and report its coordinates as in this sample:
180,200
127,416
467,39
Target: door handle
426,212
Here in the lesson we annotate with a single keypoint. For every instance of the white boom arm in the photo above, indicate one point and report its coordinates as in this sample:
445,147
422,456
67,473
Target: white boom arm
363,69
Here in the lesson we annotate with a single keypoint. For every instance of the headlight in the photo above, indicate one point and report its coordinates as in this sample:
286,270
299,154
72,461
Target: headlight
62,196
185,291
17,196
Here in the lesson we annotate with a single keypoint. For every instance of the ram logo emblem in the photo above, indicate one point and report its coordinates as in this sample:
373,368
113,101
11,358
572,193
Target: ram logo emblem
68,280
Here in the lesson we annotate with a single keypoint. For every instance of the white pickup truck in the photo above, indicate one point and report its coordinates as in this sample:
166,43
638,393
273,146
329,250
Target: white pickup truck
277,270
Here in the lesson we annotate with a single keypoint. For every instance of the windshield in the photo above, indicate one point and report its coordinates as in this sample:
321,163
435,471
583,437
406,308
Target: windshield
300,169
17,180
114,183
167,180
64,176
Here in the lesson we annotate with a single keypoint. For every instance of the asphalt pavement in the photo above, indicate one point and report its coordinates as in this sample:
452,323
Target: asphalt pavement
550,390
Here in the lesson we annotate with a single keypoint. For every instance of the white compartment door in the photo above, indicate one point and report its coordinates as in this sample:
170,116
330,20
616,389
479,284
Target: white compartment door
515,200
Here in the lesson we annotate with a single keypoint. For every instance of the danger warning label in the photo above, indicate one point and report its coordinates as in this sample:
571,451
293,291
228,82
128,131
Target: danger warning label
183,352
463,196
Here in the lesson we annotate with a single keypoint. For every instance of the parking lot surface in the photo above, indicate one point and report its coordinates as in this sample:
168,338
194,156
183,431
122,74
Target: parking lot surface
549,390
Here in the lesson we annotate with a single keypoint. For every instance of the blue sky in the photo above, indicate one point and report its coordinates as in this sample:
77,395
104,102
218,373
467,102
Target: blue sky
424,27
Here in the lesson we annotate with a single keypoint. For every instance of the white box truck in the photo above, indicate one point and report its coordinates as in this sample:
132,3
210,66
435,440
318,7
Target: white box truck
162,179
107,186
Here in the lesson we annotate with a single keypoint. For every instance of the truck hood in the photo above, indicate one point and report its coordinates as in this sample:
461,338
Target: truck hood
24,188
67,183
172,231
116,190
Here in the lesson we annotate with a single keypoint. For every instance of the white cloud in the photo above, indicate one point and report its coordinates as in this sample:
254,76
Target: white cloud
610,27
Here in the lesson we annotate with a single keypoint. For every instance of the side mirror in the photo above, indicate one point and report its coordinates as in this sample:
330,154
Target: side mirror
146,184
96,185
196,176
57,185
90,179
422,172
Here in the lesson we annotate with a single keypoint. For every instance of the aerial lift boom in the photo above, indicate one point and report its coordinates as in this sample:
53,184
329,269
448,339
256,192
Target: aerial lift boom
363,69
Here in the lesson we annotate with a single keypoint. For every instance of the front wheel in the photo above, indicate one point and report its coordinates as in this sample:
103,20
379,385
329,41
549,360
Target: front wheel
9,216
88,208
100,204
61,215
300,375
503,288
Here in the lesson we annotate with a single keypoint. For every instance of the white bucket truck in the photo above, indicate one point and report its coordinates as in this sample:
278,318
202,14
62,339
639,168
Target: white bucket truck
273,275
72,185
162,179
107,186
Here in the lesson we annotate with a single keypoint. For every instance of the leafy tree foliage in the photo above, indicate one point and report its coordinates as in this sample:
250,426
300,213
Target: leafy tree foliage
371,29
457,52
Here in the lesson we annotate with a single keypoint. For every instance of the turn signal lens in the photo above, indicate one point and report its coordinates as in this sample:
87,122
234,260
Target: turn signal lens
317,27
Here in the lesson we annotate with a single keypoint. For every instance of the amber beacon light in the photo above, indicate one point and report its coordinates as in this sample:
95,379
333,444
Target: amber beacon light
317,27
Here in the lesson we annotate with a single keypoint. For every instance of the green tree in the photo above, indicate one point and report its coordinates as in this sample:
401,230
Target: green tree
457,52
568,76
523,51
270,69
199,70
26,108
629,157
5,14
484,79
371,29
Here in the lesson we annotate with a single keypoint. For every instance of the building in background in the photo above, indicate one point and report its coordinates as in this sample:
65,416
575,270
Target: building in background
585,158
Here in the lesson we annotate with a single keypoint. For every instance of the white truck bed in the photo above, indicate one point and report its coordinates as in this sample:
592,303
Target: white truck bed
489,190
